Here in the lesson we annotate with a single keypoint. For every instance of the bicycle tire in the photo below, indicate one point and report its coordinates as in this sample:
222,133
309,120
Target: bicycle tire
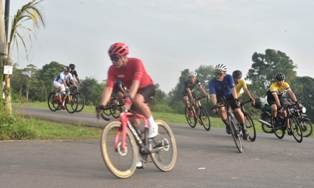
192,121
165,158
306,127
265,127
237,138
51,102
70,103
204,119
279,133
111,156
80,103
250,127
297,132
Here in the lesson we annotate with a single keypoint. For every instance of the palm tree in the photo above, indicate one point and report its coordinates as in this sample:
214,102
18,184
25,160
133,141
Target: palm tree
26,18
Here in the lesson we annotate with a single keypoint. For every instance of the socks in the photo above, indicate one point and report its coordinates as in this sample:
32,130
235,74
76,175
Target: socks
153,127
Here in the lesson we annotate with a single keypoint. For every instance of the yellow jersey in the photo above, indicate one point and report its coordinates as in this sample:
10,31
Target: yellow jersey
280,89
241,84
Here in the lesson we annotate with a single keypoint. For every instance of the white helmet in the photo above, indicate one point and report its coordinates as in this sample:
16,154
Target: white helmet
192,74
220,68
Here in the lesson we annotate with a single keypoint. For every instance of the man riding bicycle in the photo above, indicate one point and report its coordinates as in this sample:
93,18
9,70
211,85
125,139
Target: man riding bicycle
60,83
241,84
222,89
74,74
133,75
189,86
274,95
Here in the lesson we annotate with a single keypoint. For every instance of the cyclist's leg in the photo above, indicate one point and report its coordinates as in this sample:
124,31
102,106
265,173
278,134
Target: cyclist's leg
186,101
57,87
140,101
236,107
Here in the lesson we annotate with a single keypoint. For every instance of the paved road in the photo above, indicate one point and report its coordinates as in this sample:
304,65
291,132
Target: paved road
206,159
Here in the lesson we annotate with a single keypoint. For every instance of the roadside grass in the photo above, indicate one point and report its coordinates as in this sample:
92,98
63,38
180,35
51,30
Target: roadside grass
169,117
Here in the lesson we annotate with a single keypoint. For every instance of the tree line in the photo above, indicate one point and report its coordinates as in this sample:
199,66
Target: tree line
34,84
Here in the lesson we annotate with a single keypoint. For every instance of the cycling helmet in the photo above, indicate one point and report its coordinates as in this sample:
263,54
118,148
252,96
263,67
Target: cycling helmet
280,77
220,68
237,74
66,69
192,74
118,49
72,66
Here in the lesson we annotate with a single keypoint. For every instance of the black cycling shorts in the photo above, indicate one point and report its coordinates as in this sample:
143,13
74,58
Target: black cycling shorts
147,92
230,100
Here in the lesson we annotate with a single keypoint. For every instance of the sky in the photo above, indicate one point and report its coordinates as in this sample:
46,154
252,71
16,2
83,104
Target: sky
170,35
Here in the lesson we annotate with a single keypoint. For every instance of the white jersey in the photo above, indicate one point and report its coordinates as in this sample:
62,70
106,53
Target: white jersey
62,77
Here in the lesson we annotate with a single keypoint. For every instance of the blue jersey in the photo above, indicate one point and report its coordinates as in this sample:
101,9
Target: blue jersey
221,88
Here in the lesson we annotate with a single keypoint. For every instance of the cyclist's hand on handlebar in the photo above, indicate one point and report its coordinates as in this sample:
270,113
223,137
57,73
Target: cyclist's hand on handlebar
253,101
127,104
99,108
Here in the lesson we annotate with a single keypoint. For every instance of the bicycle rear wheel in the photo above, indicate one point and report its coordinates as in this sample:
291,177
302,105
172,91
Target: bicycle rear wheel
204,119
297,132
190,117
120,163
164,154
71,103
52,102
235,133
80,102
250,127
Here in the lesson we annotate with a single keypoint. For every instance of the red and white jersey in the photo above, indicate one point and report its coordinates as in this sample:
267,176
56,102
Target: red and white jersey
133,70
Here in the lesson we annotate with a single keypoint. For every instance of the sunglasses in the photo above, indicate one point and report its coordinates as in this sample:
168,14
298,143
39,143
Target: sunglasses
115,58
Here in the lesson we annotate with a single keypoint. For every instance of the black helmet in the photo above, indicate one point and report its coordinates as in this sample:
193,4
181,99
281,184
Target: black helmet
72,66
237,74
280,77
66,68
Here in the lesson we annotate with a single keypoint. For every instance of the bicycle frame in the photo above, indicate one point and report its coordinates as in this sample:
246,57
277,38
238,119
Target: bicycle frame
125,124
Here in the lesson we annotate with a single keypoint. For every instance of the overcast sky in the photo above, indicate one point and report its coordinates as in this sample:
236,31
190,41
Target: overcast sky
171,35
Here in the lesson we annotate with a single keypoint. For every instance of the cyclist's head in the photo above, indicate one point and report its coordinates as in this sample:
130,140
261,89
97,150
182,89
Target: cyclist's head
72,66
237,75
192,74
118,53
66,69
280,77
220,70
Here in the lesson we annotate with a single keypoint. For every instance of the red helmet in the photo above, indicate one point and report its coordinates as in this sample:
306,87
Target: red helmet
118,49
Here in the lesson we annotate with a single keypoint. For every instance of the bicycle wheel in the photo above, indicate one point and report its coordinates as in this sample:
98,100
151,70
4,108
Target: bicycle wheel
279,132
235,133
306,127
80,103
164,154
250,127
71,103
266,128
52,102
190,117
297,132
120,163
204,118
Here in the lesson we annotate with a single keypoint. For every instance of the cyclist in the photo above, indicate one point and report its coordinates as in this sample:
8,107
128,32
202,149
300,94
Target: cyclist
274,95
132,73
74,73
222,88
189,86
60,83
241,84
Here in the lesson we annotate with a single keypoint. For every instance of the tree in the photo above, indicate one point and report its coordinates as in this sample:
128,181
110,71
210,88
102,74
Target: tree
266,66
91,90
28,13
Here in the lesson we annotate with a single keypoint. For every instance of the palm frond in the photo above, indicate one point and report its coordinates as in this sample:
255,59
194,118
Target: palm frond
28,14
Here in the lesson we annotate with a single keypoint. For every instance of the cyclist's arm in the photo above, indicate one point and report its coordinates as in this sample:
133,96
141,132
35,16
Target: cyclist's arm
292,95
248,93
106,94
234,93
202,89
213,99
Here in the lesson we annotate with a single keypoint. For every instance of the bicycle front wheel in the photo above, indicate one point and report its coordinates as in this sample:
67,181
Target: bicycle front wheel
190,117
164,154
71,103
297,132
250,127
80,102
53,102
120,163
235,133
306,127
